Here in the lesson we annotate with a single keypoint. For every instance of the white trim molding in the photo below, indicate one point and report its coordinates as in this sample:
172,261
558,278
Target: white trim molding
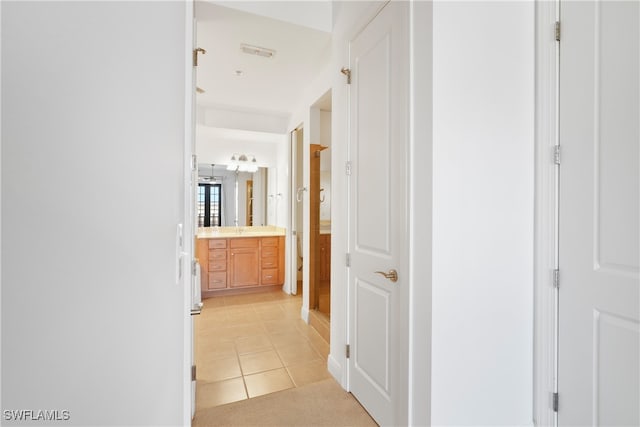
545,204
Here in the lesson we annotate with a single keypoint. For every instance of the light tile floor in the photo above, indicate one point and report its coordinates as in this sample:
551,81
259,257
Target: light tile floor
254,344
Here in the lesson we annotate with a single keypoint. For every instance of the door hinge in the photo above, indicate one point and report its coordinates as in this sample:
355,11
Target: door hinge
556,279
348,351
194,267
194,162
557,30
348,259
554,401
193,372
347,168
556,155
196,51
347,72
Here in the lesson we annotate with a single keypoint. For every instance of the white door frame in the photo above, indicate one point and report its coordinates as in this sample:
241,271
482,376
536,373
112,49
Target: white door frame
292,240
188,210
545,237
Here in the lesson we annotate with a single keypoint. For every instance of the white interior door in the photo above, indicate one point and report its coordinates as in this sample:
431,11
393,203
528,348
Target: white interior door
378,214
598,374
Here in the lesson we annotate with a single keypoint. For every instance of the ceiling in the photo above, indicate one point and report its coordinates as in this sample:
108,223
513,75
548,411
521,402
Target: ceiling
267,85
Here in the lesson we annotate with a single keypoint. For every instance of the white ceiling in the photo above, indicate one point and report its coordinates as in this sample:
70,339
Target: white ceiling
268,85
314,14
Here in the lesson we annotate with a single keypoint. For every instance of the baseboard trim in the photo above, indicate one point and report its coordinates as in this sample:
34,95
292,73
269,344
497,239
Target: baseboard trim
335,369
321,324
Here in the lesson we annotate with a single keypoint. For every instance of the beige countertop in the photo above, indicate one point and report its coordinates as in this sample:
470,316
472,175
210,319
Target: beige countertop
227,232
325,226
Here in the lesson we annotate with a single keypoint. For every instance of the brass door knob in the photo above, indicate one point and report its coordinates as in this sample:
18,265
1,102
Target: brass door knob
391,275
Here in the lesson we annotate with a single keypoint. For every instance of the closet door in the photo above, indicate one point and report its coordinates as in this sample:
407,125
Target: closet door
599,373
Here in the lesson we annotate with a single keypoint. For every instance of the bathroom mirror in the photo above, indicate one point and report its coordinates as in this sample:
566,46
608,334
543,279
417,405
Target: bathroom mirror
229,198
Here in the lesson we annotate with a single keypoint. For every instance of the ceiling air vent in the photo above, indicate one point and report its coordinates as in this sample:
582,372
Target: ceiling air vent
257,50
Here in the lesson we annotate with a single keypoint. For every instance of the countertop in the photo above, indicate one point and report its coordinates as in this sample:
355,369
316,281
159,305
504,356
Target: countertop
227,232
325,226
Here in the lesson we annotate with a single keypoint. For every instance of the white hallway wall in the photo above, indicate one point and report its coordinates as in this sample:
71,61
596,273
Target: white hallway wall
92,319
483,140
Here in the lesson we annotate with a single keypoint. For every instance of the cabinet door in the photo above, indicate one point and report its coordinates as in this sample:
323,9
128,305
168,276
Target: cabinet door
244,267
325,257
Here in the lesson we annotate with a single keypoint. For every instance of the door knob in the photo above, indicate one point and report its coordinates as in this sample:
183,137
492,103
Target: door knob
391,275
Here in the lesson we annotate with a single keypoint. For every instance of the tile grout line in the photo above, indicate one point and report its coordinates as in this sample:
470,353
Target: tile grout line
281,361
244,382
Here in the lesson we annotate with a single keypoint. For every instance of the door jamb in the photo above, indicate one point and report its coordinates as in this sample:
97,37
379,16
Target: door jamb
188,210
546,125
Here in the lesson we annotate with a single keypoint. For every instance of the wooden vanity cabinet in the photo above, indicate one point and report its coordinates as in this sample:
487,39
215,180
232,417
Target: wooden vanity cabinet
269,261
212,255
244,262
240,263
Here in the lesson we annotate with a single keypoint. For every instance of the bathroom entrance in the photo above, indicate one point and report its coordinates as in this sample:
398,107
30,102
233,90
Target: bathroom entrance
319,163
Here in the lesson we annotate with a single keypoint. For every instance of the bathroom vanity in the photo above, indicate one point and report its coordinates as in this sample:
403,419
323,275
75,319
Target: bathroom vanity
240,259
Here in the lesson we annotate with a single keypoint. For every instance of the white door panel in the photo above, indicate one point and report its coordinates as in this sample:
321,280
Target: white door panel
378,213
599,377
372,305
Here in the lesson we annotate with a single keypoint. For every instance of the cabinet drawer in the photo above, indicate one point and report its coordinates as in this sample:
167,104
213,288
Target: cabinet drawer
244,243
270,276
217,255
217,243
269,262
269,241
269,251
217,280
218,265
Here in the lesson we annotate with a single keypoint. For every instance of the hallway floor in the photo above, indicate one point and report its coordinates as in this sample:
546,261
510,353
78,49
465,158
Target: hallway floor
254,344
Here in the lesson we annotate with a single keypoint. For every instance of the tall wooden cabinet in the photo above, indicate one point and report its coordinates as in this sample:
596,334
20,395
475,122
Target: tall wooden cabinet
234,263
325,257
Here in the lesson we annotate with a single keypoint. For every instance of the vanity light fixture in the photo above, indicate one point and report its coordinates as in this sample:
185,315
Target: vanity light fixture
241,163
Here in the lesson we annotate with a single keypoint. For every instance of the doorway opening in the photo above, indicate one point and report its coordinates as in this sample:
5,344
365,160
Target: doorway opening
251,330
297,211
320,218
